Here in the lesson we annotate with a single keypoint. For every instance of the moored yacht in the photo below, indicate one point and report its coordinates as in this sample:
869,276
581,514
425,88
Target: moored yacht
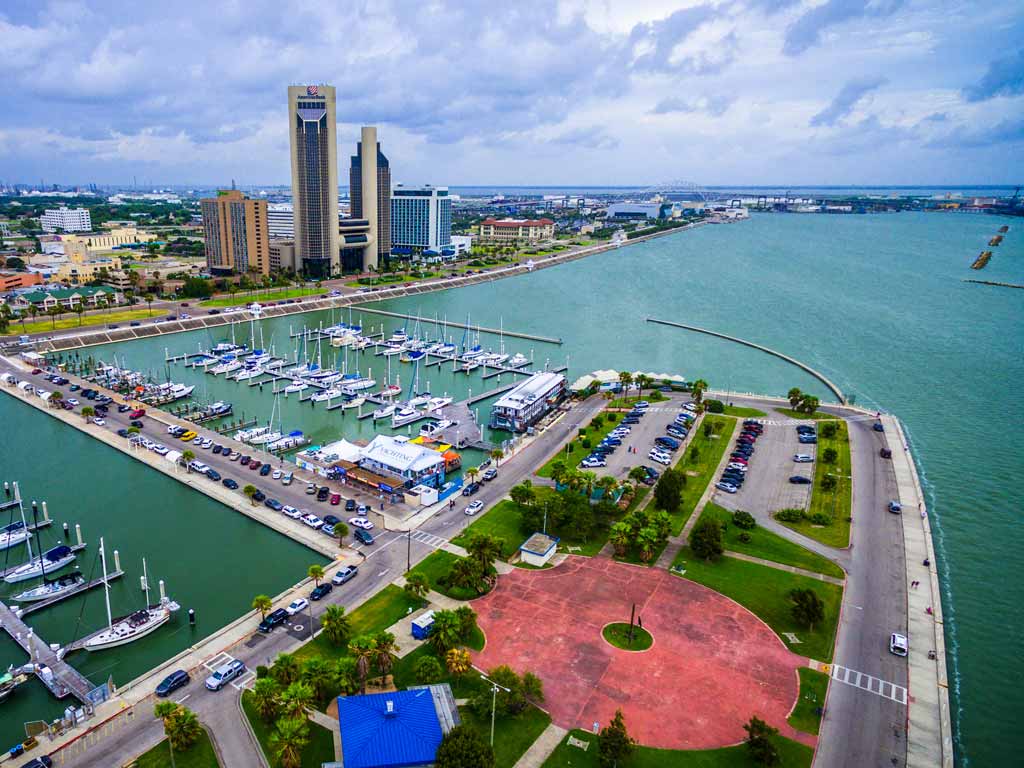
390,390
389,350
296,386
170,392
48,589
437,403
421,399
518,359
247,435
358,385
470,365
249,373
289,441
266,437
404,415
384,411
14,534
355,402
434,429
327,394
49,561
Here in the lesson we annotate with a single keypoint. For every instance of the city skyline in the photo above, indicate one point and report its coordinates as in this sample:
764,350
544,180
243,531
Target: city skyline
757,92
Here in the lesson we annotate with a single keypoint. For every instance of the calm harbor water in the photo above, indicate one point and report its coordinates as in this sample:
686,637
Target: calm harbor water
876,303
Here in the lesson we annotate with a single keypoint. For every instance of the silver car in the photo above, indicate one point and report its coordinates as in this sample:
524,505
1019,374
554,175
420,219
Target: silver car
225,674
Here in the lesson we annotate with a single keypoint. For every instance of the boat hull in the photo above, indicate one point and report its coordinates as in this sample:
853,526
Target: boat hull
105,641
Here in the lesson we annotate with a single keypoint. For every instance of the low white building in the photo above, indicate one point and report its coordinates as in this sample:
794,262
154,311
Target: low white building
410,463
462,244
523,406
538,549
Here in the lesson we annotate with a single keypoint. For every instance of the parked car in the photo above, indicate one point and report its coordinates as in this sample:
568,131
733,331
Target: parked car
224,674
878,427
727,487
244,461
802,458
265,470
273,619
229,483
323,493
172,682
350,505
898,644
895,507
800,480
297,605
259,496
274,504
885,453
255,464
363,537
347,573
361,523
213,474
335,499
138,413
320,591
490,474
470,489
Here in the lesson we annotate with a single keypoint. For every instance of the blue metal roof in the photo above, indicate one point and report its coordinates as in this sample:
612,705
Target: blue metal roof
373,738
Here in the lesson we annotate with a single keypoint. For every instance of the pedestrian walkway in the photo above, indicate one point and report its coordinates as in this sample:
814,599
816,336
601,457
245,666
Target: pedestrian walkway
542,748
784,567
929,731
331,724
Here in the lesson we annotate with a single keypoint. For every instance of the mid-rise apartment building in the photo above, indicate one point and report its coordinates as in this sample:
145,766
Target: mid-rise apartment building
235,233
421,219
65,219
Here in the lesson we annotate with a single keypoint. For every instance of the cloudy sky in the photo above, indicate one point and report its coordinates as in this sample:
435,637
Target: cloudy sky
523,92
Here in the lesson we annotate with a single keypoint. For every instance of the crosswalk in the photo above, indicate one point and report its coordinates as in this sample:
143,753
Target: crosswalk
429,539
869,683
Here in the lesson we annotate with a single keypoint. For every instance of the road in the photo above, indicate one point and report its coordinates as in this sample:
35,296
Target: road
379,565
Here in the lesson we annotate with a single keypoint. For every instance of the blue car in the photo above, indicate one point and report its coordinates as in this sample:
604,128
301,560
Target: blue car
172,682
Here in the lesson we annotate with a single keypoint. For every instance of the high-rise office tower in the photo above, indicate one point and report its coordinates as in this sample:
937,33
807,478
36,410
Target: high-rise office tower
314,177
370,193
235,233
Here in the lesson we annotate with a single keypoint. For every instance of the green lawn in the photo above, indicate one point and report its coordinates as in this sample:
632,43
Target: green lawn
765,592
318,751
652,396
618,634
743,413
502,521
247,297
199,755
436,567
813,685
710,451
376,614
792,754
463,686
770,546
70,320
512,735
816,416
572,453
836,504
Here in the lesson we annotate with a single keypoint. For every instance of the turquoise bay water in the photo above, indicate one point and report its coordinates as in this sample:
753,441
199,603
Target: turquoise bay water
876,303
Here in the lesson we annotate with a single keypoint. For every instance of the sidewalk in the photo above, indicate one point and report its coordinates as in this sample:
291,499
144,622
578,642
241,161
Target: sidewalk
929,732
542,748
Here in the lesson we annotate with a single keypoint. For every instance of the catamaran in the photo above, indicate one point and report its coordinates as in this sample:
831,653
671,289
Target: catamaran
14,534
134,626
68,583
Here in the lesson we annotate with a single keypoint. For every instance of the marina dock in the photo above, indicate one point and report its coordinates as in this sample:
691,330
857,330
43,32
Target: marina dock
83,587
454,324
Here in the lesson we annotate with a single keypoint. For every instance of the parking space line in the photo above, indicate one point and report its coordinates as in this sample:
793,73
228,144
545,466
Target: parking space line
245,681
219,660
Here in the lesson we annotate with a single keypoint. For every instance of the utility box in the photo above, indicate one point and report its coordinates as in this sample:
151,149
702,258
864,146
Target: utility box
422,625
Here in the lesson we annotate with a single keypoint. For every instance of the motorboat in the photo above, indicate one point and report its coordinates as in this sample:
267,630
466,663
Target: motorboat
135,625
227,347
399,337
10,680
220,408
247,435
470,365
51,560
355,402
404,415
327,394
421,399
389,350
296,386
249,373
68,583
434,429
289,441
14,534
384,411
359,385
437,403
266,437
517,360
343,339
497,358
170,392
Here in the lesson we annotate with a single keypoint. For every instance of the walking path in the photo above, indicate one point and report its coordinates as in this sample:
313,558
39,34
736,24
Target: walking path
542,748
784,567
929,732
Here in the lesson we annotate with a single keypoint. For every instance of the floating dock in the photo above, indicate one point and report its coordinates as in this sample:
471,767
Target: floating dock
83,587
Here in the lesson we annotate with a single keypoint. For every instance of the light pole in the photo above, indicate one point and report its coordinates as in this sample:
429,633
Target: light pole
494,701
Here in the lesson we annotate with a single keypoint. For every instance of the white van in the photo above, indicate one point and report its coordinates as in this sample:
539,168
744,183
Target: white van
198,466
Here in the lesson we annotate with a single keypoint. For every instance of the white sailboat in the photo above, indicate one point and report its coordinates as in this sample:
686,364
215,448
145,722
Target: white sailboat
355,402
296,386
326,394
249,373
50,589
384,411
134,626
14,534
49,561
266,437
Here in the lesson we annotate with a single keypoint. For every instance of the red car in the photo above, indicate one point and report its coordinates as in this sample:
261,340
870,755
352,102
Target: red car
138,413
36,371
255,464
335,499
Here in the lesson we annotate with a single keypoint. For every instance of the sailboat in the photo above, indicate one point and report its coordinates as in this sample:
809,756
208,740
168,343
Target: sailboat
49,561
355,402
14,534
326,394
384,411
135,625
296,386
67,583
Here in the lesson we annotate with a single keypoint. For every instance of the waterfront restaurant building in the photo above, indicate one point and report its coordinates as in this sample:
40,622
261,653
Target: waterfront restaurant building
408,463
522,407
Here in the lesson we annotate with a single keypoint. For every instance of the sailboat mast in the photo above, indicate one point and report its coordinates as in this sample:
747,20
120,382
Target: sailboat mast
106,584
24,524
145,580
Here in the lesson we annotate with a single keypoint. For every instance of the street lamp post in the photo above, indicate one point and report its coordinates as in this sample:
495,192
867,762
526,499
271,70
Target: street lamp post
494,701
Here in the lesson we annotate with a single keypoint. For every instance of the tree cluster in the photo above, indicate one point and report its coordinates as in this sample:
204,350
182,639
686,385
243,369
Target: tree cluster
644,530
515,694
668,493
802,402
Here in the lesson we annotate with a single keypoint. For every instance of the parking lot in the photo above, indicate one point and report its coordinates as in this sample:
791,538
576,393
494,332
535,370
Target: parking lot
767,487
641,437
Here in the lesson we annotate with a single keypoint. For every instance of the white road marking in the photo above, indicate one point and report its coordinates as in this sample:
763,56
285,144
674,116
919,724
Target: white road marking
182,699
218,661
429,539
868,683
245,681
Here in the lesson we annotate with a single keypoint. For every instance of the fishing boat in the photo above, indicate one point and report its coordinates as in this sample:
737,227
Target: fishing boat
289,441
14,534
134,626
384,411
404,415
49,561
355,402
296,386
327,394
434,429
48,589
437,403
517,360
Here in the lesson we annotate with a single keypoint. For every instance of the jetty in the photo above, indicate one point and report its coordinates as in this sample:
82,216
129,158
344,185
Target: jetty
802,366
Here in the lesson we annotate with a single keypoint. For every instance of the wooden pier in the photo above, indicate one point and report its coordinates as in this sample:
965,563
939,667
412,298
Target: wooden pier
85,586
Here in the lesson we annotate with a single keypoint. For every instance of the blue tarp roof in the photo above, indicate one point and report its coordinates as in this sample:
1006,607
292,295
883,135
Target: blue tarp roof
372,738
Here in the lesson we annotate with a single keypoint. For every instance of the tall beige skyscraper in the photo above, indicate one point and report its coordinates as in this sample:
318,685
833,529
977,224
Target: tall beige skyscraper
370,192
311,128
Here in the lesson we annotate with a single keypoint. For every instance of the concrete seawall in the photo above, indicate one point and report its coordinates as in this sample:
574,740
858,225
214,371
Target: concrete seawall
803,366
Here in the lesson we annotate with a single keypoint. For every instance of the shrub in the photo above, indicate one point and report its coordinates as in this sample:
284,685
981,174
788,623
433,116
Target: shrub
820,518
708,429
597,421
744,537
585,442
829,455
789,515
714,406
829,429
262,671
428,671
612,417
743,520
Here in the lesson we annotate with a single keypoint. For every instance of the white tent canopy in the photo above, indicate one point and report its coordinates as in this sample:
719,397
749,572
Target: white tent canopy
608,376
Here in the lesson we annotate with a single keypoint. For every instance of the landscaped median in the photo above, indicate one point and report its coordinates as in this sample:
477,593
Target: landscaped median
70,320
199,755
700,462
828,519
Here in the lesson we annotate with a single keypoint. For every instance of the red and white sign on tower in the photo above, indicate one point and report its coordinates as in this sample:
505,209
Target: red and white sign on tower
311,90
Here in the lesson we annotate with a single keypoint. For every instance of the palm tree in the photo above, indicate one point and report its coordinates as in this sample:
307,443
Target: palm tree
250,493
383,648
263,604
341,531
297,697
643,381
458,661
165,710
472,473
558,470
79,310
463,573
266,694
485,549
55,399
186,458
286,669
54,312
316,673
362,649
497,454
607,485
148,298
647,539
587,481
183,729
626,378
88,412
33,311
335,624
794,397
417,584
620,535
289,739
697,389
315,572
446,631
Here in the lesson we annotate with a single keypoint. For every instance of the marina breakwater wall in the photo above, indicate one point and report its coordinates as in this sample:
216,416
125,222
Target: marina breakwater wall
89,338
803,366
